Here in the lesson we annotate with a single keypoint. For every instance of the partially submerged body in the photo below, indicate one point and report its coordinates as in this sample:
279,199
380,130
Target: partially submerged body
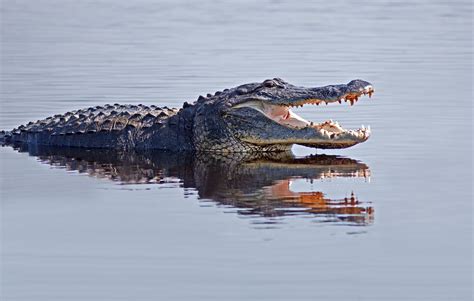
255,117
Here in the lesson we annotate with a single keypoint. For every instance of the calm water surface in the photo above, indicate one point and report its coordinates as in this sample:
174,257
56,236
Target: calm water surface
390,219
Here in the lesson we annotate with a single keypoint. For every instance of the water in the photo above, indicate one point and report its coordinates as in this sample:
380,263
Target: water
89,230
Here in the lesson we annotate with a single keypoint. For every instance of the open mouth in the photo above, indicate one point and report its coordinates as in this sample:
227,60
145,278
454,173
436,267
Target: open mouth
283,115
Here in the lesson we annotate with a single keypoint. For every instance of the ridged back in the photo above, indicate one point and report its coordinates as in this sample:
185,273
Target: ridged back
105,118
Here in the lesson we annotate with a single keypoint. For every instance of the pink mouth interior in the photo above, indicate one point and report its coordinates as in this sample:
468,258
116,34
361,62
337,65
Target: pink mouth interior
284,115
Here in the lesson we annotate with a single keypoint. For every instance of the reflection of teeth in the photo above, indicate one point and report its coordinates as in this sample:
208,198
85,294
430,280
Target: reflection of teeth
324,133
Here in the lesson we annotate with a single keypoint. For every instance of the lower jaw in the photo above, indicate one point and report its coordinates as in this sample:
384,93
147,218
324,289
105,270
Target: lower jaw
330,145
291,120
320,145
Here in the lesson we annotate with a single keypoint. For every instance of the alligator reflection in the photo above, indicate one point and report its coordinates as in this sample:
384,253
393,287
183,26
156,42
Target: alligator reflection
256,186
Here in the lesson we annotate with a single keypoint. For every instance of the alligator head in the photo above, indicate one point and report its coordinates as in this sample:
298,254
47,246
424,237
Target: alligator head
257,117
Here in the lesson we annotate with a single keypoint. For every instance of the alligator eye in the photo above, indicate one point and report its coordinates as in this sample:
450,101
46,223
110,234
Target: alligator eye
269,83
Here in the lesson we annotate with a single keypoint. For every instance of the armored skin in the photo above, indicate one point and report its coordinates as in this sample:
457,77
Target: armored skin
250,118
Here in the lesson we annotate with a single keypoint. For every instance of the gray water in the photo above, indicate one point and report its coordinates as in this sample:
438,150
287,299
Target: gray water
70,235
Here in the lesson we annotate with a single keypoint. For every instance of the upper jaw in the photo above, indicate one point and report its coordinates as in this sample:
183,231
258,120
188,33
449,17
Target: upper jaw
330,94
298,96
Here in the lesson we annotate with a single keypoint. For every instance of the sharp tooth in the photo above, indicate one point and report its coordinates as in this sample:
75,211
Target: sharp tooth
368,128
363,127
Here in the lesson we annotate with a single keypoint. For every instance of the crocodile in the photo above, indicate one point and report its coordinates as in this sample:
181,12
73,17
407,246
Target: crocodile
256,185
255,117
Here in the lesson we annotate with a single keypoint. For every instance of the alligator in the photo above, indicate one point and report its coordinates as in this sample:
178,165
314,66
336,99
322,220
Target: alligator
254,117
256,185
